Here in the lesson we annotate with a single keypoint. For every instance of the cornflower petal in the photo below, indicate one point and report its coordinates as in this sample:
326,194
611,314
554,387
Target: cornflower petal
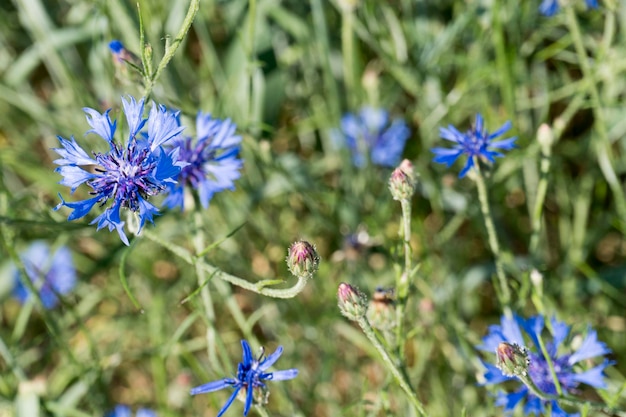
549,7
81,208
229,402
284,375
73,176
593,377
271,359
590,348
100,123
162,126
134,115
72,154
212,386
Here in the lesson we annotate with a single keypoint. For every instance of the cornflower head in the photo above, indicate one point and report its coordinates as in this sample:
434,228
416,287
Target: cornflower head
251,374
52,274
124,411
371,137
551,7
212,160
509,334
128,174
476,142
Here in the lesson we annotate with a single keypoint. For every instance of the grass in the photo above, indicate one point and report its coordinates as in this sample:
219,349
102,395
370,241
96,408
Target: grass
285,72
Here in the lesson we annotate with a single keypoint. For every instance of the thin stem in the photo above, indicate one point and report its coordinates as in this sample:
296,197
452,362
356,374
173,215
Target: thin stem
542,189
603,144
555,379
389,362
258,287
504,294
170,49
504,72
262,411
402,284
347,47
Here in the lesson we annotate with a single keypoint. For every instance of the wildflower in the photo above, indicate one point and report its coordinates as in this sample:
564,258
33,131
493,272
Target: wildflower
250,376
213,162
121,55
124,411
52,274
302,259
551,7
565,364
351,301
127,174
371,137
512,359
477,142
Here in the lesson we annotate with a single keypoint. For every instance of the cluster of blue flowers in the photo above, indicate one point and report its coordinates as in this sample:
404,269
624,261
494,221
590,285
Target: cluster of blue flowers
155,159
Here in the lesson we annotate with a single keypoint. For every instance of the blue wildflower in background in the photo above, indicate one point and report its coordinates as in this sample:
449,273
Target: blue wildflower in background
53,274
251,374
124,411
551,7
212,160
370,136
476,142
128,174
568,373
121,54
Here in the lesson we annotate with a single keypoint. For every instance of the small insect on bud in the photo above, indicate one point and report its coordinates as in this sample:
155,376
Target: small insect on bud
512,359
352,302
381,311
302,259
402,181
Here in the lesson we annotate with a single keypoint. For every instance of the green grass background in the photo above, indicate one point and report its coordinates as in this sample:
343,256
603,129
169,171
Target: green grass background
285,75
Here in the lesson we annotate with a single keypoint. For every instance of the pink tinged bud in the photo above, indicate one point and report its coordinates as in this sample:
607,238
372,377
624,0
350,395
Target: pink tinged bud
302,259
512,359
352,302
402,181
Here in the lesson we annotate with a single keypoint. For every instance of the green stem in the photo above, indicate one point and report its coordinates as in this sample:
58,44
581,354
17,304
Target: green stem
555,379
504,72
5,353
347,46
504,293
404,279
603,144
170,49
389,363
537,212
262,411
258,287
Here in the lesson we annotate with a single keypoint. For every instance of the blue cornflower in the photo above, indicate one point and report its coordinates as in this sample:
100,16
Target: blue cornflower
213,162
371,137
551,7
122,55
565,364
250,374
476,142
124,411
52,274
127,174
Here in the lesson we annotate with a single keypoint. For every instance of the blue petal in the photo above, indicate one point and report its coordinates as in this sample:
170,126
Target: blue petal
74,176
558,411
505,144
120,411
592,4
116,46
560,330
549,7
468,165
534,405
168,166
510,401
162,126
534,326
229,402
72,154
110,218
373,119
134,115
590,348
504,128
593,377
146,212
100,124
247,353
271,359
284,375
452,134
446,156
249,392
493,375
81,208
145,412
212,386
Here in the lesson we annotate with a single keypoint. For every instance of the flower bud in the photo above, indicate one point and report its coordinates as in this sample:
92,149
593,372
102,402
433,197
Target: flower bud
381,311
402,181
512,359
545,137
302,259
352,302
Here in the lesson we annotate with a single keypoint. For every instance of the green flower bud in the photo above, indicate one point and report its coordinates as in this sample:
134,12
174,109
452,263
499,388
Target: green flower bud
512,359
381,311
352,302
402,181
302,259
